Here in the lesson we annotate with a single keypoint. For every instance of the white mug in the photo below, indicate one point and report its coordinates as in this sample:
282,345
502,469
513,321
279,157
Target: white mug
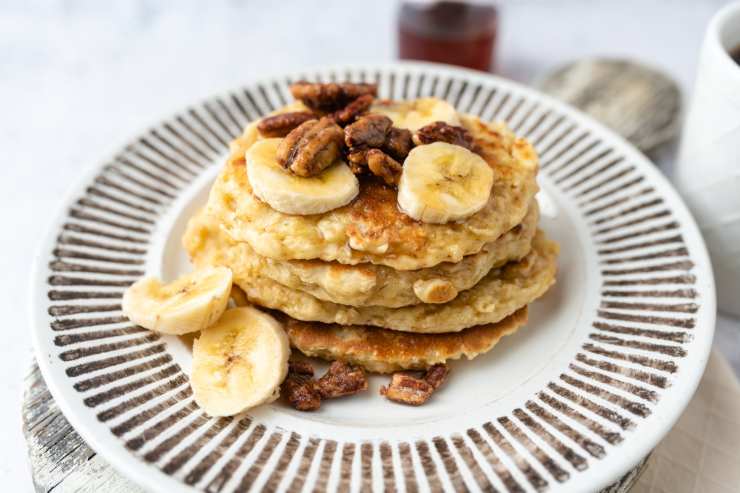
708,170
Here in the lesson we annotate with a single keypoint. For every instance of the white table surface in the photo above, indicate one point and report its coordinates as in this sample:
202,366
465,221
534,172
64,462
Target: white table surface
78,77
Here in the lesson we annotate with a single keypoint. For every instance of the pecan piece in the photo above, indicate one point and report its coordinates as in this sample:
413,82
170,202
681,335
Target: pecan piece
398,144
311,147
349,113
407,389
300,367
301,393
357,160
384,166
341,379
373,142
299,388
328,97
436,375
443,132
280,125
368,131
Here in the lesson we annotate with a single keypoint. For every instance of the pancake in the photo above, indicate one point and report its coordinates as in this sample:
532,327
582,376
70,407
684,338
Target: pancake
500,293
368,284
372,229
386,351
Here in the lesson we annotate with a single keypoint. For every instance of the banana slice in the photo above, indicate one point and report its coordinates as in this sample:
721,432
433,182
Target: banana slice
191,303
334,187
417,113
240,362
442,182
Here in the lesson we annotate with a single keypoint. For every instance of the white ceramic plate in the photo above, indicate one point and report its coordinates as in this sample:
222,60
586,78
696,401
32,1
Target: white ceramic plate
607,363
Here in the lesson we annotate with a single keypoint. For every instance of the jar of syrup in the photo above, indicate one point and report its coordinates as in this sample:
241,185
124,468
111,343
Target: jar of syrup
448,31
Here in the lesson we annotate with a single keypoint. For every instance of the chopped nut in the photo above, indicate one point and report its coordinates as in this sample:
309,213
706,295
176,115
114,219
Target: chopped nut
341,379
357,160
299,388
312,147
436,375
300,367
357,169
357,155
281,125
349,113
373,142
305,394
407,389
443,132
328,97
384,166
301,394
398,143
368,131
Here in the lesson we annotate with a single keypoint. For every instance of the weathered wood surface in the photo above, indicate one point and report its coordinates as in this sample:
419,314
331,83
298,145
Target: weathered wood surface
62,462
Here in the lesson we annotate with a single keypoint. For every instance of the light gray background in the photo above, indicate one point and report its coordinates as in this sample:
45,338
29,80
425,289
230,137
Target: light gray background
78,78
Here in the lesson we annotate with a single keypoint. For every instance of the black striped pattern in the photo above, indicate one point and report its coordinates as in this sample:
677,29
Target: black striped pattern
644,326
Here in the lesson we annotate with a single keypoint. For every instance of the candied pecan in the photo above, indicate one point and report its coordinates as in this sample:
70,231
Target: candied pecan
443,132
300,367
349,113
357,169
436,375
311,147
330,96
341,379
301,394
357,155
357,160
368,131
407,389
280,125
375,143
398,144
300,391
384,166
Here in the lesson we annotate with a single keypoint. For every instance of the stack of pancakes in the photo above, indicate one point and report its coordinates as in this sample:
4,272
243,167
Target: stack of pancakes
369,285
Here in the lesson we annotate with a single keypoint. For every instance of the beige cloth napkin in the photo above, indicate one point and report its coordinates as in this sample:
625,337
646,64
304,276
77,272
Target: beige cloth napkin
702,452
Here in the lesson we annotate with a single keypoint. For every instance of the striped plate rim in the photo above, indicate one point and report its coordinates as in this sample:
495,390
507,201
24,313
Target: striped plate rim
641,364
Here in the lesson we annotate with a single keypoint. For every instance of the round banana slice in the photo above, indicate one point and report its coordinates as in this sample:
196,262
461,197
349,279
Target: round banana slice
443,182
285,192
191,303
239,362
417,113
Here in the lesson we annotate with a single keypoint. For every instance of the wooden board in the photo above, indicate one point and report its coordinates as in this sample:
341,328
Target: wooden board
60,459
